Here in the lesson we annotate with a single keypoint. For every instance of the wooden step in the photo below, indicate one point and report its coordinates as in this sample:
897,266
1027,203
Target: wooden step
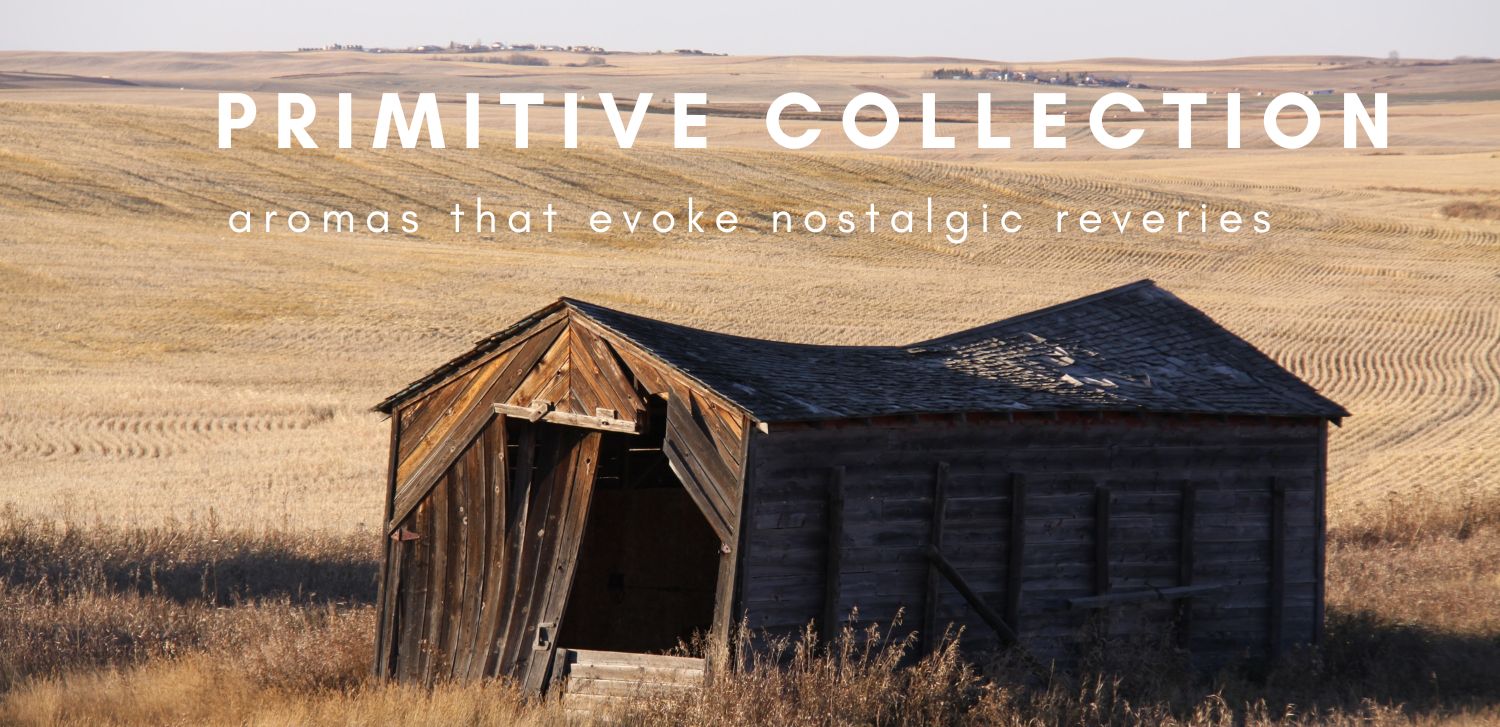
595,681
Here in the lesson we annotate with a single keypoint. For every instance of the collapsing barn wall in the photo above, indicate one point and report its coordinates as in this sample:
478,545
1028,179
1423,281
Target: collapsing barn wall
492,475
1103,502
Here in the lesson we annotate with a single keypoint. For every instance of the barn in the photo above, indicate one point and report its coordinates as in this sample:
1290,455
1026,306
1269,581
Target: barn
587,487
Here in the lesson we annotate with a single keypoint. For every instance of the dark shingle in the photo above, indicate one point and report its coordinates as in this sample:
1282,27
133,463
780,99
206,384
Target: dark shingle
1133,348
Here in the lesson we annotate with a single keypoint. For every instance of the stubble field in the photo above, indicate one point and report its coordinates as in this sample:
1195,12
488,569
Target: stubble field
164,379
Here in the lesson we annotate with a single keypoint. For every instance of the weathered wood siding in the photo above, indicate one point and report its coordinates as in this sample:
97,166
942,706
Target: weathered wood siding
486,558
1071,471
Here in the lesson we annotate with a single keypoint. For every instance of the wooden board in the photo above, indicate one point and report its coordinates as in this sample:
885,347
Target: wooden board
691,448
491,555
598,681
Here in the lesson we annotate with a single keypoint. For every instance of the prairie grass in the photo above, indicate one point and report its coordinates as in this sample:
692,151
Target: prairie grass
198,624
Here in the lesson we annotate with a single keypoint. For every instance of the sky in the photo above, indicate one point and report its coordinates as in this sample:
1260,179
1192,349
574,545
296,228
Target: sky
993,29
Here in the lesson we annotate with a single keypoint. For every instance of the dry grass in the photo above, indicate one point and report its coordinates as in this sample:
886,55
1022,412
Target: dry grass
287,608
1468,210
196,624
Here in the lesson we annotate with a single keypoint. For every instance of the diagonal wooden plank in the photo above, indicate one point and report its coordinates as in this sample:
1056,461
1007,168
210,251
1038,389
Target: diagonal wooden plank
478,410
595,360
548,378
695,460
417,445
418,416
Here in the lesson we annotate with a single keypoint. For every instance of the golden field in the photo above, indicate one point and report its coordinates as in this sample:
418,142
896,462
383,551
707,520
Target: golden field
170,387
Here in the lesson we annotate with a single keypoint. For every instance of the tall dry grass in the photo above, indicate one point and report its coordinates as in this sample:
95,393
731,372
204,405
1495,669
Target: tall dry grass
196,624
289,608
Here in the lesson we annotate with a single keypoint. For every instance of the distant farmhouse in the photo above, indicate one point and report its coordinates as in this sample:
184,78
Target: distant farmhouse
475,47
1086,79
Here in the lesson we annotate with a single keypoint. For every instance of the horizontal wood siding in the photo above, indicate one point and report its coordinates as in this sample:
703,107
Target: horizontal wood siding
1145,463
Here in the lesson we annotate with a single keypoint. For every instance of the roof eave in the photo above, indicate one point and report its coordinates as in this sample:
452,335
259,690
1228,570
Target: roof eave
480,348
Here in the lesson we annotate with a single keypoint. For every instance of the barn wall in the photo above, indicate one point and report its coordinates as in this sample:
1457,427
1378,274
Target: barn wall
889,470
471,574
484,557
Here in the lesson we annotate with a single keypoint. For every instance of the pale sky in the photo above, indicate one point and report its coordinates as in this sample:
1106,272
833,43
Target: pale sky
993,29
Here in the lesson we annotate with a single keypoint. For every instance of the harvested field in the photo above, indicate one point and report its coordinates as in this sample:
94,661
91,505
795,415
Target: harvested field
171,389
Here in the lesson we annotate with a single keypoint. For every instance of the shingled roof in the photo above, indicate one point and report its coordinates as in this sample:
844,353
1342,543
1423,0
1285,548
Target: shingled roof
1132,348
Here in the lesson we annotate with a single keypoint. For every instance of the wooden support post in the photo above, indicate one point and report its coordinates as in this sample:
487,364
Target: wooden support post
1187,508
930,626
833,566
390,569
1275,611
1320,513
1101,540
1016,552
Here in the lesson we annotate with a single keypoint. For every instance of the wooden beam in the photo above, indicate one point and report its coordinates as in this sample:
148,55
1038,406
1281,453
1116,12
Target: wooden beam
1016,552
1276,608
1320,513
539,412
728,608
994,620
533,413
1101,540
1187,508
834,563
929,632
390,568
1146,594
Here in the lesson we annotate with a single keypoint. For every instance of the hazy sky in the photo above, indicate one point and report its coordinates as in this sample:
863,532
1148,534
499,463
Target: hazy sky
1000,29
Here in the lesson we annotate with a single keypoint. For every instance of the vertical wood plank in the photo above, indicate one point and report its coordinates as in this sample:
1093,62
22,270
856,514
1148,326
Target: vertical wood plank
475,567
1320,513
412,620
1187,508
1101,540
1016,552
573,482
496,492
1275,612
460,531
385,597
727,608
437,584
834,562
518,520
930,603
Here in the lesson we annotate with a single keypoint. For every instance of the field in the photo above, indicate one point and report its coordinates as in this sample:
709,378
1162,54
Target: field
164,381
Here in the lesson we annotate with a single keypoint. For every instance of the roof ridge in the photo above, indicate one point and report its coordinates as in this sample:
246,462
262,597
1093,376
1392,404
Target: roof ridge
1090,298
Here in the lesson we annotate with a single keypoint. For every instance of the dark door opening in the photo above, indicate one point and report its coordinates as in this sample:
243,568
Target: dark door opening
649,562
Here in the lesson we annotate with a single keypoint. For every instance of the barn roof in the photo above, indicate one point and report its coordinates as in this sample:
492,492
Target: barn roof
1132,348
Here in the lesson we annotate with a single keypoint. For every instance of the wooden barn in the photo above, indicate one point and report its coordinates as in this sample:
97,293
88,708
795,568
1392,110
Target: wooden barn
588,487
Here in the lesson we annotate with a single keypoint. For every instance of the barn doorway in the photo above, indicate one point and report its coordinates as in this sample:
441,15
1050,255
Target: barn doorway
649,561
